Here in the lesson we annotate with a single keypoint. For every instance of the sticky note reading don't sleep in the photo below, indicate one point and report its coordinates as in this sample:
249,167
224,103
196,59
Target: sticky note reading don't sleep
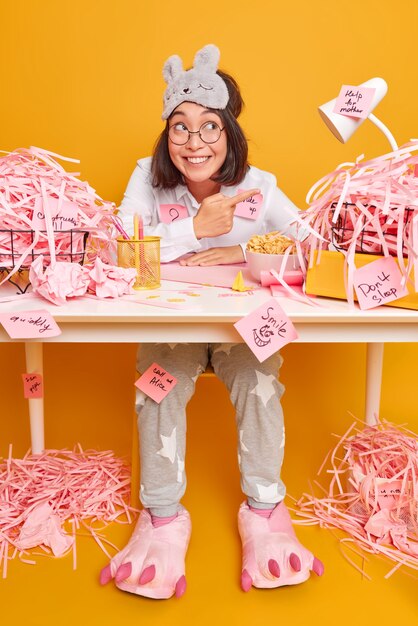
266,329
156,382
378,283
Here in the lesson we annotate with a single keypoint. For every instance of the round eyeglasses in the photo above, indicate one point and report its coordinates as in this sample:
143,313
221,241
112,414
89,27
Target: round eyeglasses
209,132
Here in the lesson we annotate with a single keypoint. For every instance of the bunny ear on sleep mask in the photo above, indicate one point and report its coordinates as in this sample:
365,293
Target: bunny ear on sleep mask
201,84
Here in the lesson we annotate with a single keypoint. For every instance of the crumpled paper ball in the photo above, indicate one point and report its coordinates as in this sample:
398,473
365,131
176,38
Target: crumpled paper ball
69,280
56,284
111,281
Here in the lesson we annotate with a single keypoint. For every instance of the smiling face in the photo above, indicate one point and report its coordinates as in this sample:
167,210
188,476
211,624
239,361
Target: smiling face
197,161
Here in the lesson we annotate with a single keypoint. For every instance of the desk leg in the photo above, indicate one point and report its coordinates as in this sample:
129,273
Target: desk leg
374,368
34,364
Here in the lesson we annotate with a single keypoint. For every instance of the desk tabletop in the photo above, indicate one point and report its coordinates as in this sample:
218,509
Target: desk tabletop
210,315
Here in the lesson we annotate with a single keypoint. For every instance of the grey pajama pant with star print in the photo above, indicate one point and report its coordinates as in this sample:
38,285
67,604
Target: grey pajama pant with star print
255,393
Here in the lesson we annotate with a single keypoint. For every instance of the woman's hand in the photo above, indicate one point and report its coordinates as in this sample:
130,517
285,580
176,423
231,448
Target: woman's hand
216,214
216,256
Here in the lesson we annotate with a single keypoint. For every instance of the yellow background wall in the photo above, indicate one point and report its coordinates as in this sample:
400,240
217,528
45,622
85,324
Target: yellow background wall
83,79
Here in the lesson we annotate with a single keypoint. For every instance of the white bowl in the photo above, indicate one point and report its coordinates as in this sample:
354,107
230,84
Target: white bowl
259,262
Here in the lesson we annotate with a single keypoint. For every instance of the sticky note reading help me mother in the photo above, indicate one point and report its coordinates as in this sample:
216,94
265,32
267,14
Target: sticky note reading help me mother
266,329
378,282
156,382
354,101
32,386
30,324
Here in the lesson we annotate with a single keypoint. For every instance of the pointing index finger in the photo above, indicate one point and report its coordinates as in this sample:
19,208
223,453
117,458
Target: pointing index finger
244,195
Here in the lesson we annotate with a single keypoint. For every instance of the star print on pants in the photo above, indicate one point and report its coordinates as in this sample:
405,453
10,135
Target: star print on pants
264,388
169,446
180,469
224,347
241,443
268,494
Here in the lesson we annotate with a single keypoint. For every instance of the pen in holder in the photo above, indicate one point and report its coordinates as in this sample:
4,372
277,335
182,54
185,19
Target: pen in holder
142,253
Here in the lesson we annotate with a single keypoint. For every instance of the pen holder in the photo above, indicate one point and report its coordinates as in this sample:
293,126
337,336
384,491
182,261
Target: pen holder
144,255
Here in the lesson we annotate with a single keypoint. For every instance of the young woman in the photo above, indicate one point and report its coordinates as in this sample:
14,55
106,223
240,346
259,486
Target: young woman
187,194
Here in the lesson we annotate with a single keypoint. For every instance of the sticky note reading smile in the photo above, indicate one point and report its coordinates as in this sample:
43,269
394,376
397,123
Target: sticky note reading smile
266,330
156,382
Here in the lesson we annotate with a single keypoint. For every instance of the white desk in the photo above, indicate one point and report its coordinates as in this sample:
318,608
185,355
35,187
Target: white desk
121,321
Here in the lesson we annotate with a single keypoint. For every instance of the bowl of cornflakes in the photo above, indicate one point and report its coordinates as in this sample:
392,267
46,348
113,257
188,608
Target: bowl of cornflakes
266,252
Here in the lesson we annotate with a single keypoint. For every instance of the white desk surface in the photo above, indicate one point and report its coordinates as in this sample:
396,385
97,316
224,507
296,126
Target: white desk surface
212,319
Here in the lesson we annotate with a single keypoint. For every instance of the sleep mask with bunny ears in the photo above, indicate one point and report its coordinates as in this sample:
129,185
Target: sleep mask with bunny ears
201,84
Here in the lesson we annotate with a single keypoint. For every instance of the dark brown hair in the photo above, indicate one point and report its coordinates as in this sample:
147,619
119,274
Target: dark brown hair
165,175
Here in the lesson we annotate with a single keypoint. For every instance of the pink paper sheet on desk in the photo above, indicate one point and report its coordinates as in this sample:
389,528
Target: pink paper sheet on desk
216,275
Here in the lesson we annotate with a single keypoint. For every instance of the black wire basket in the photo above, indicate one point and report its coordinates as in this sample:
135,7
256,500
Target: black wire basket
73,240
342,231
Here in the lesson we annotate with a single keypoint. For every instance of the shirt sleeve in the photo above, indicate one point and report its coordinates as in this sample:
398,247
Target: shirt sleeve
177,238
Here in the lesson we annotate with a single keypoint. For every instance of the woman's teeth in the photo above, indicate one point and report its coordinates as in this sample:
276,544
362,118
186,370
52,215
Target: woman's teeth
197,159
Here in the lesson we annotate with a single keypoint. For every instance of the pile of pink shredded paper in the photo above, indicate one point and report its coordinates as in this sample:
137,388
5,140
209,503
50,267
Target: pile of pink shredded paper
369,206
46,499
370,491
40,204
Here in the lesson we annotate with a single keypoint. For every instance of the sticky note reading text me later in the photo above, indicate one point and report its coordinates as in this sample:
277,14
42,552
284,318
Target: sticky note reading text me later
354,101
30,324
32,386
266,329
378,282
156,382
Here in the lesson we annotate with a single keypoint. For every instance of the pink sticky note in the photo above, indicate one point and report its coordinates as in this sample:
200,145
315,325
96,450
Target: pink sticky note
249,208
266,329
32,386
378,283
156,382
30,324
64,216
354,101
172,212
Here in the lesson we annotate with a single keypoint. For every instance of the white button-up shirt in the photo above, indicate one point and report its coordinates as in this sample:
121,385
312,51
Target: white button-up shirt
178,237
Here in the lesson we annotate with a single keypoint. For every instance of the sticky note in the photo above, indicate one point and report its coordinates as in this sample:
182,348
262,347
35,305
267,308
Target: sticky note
156,382
266,329
32,386
251,207
378,283
37,324
354,101
64,216
172,212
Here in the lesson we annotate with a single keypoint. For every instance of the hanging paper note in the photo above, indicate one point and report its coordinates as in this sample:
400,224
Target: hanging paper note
30,324
378,283
251,207
354,101
266,330
32,386
172,212
156,382
64,215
